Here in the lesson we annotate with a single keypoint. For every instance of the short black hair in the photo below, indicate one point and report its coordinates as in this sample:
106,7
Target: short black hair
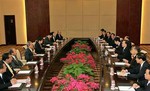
141,56
127,37
109,32
5,56
11,51
39,38
1,64
102,29
126,42
137,48
113,34
117,39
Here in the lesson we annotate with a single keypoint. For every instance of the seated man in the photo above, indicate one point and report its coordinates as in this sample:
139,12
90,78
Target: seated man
4,84
118,45
113,36
103,36
109,39
15,62
48,40
59,36
29,52
10,73
125,52
144,85
133,65
140,59
38,46
127,38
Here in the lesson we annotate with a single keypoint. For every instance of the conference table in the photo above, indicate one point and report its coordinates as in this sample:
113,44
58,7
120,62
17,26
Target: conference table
40,81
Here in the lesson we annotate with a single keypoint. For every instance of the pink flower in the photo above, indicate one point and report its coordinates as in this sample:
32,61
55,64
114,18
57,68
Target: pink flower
84,77
54,79
93,85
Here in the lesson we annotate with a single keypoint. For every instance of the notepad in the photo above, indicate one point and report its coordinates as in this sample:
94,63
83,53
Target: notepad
126,88
48,45
32,62
111,50
118,73
24,72
119,63
17,69
108,46
114,56
21,80
17,85
39,55
48,49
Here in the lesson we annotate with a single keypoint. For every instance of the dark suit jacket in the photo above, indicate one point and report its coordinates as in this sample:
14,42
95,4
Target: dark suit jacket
109,40
16,63
129,44
4,84
59,37
53,39
144,86
38,48
28,54
112,43
48,41
104,37
8,75
140,76
125,54
118,49
134,66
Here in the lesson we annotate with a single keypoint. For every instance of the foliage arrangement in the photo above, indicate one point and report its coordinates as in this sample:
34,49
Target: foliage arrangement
78,74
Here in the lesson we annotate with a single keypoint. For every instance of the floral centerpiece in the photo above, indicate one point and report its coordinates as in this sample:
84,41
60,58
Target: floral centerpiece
68,83
78,74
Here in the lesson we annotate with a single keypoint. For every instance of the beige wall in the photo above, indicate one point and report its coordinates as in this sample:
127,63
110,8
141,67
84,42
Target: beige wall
145,25
17,8
82,18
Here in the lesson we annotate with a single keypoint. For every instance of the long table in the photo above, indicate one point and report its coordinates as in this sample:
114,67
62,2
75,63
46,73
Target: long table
41,81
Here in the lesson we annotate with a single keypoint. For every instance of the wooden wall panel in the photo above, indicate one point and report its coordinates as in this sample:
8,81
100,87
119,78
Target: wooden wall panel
37,16
129,19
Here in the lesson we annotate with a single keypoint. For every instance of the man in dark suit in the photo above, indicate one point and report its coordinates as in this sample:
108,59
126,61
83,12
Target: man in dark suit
38,46
133,65
127,38
48,40
125,53
103,36
29,51
15,62
4,84
144,85
109,40
59,36
113,36
140,59
53,37
10,73
118,45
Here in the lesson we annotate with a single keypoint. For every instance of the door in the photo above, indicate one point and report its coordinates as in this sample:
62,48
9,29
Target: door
10,29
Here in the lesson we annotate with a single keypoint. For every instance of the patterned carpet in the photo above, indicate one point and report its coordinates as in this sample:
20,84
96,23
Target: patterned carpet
4,49
146,48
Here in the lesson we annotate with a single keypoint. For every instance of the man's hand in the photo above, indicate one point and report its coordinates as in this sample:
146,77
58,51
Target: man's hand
13,81
135,86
